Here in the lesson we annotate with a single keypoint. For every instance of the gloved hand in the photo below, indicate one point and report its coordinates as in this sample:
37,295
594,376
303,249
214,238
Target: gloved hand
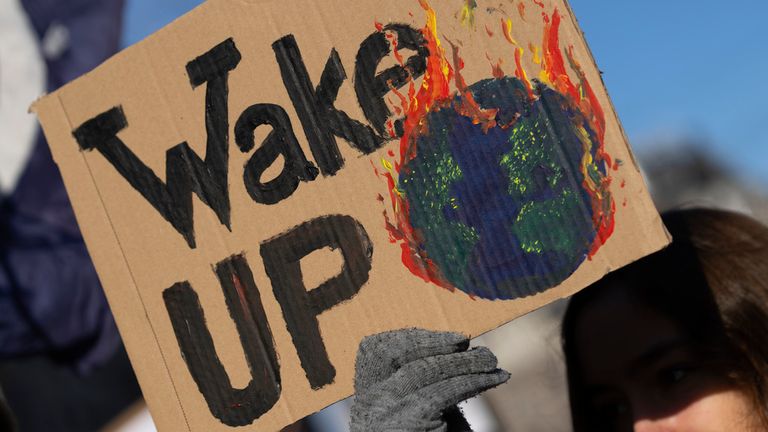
410,380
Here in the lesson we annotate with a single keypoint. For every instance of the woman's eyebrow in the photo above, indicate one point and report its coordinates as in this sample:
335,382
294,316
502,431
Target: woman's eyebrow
599,390
658,351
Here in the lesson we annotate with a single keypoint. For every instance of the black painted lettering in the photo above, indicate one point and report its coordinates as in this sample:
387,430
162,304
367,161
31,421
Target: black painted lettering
234,407
185,171
372,87
280,141
301,307
321,120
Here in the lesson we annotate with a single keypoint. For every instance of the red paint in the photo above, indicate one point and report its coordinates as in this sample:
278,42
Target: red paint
521,10
392,37
468,107
391,129
539,3
553,63
496,69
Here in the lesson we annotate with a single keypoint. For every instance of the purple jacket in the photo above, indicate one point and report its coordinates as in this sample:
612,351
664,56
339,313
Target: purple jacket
50,297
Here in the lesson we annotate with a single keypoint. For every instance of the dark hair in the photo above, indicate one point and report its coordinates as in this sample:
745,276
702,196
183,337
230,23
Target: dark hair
712,281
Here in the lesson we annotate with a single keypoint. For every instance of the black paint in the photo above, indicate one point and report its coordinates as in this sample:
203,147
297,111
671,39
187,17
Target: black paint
234,407
186,172
301,307
280,141
372,87
321,120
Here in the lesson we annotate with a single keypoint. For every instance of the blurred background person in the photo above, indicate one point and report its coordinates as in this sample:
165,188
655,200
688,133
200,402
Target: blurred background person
62,364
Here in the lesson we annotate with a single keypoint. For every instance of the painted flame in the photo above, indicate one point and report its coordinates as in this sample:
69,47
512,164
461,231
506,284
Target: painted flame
435,92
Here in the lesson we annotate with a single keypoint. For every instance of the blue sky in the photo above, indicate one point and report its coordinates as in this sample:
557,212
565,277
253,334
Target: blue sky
674,69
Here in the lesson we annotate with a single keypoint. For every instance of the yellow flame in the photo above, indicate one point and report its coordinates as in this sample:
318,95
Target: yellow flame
468,13
520,53
536,50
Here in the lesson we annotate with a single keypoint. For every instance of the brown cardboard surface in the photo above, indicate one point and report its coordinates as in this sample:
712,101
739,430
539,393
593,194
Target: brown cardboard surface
139,255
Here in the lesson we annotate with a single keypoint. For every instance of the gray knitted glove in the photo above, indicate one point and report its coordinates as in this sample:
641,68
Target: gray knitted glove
410,381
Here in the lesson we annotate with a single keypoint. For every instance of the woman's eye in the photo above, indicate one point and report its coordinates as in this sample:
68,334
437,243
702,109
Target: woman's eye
675,375
678,375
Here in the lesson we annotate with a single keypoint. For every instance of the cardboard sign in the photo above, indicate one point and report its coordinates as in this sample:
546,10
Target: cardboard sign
262,184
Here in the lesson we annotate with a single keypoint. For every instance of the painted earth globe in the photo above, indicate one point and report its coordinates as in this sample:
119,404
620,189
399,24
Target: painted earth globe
503,212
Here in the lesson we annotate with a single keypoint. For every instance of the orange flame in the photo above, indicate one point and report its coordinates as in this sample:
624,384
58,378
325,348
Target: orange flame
468,107
506,28
520,72
496,69
521,10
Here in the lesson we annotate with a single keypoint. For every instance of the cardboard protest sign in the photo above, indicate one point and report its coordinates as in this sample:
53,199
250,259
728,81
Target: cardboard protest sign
263,183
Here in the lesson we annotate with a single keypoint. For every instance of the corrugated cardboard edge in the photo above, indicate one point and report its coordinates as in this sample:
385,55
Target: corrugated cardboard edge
135,328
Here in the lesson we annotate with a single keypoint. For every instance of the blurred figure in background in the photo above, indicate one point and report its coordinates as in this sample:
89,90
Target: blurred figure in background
62,365
684,173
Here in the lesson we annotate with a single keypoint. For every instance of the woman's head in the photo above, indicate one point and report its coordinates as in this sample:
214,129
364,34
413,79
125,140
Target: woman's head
678,339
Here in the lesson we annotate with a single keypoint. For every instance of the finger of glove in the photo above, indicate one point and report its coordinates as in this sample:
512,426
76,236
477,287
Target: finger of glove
395,424
380,355
441,395
455,421
427,371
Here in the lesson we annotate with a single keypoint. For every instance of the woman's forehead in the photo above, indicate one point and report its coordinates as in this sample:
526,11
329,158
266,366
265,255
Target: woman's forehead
616,329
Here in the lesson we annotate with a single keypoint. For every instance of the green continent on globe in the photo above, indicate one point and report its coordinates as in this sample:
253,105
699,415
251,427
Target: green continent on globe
504,213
